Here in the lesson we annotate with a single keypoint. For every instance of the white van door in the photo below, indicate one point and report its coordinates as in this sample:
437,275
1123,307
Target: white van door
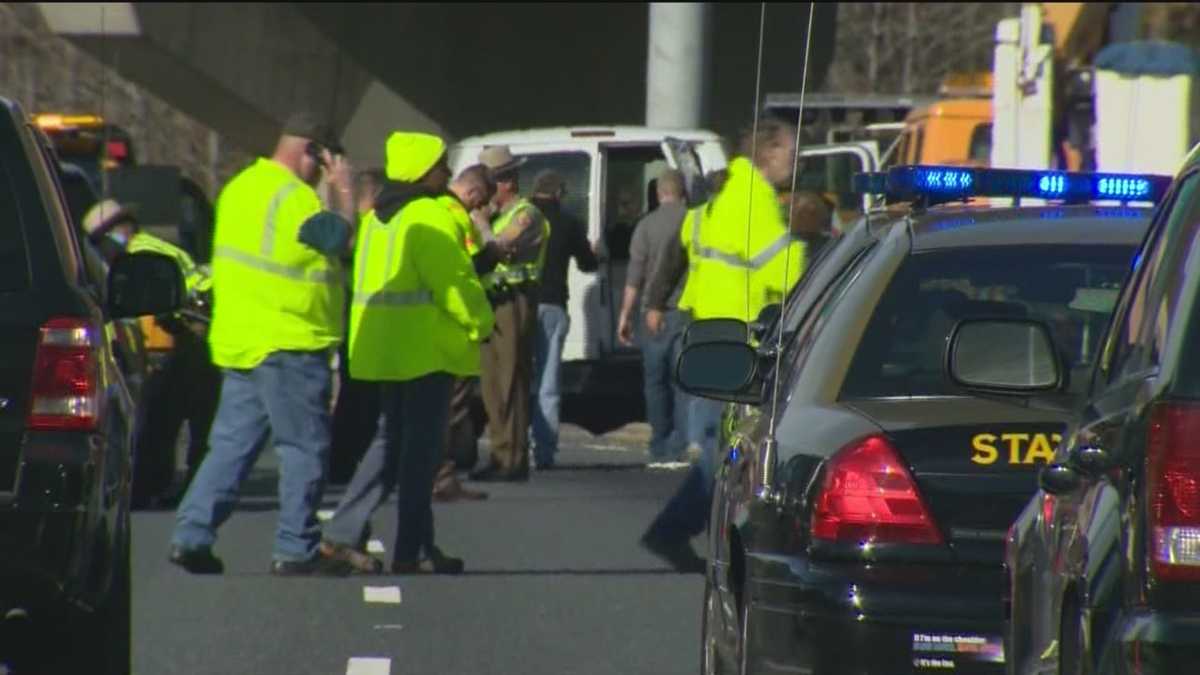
829,171
627,193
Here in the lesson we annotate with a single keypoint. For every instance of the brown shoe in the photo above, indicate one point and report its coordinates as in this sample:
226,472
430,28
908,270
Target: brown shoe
361,563
447,488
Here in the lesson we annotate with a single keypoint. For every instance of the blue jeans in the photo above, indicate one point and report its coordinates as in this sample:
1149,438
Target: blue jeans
405,452
553,324
686,514
666,404
286,395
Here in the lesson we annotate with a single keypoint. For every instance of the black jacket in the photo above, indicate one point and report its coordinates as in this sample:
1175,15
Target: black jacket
568,239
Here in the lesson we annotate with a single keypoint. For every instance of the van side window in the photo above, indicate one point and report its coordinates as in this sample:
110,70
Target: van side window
576,170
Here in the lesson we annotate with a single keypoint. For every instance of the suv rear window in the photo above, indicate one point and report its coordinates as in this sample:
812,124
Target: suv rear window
14,262
1071,288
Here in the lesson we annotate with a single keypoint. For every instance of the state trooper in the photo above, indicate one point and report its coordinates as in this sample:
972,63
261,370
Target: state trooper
186,385
734,250
417,318
512,288
277,316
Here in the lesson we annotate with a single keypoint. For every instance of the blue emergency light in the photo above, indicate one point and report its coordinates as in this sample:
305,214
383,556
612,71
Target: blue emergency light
937,184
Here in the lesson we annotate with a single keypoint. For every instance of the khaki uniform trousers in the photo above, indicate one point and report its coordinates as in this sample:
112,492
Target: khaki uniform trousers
507,371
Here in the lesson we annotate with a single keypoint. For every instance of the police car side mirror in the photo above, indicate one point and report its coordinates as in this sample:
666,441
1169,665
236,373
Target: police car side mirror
724,370
1003,356
715,330
144,283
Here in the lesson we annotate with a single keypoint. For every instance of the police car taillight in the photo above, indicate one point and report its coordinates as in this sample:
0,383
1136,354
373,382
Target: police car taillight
868,496
1173,491
65,391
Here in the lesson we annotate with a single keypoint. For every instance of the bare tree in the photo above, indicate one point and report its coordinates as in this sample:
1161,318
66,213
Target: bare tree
910,47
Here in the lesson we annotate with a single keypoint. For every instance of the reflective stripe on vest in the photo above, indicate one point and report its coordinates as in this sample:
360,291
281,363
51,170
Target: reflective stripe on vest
393,298
268,235
294,272
384,297
764,256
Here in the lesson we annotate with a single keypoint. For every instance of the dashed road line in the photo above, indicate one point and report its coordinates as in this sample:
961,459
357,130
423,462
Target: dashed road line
382,594
368,666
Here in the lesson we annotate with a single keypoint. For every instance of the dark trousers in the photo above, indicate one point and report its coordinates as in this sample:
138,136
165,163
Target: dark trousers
355,419
186,389
462,441
403,456
507,364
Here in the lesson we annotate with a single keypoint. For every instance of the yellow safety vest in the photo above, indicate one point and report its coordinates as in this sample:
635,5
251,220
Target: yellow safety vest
462,218
726,277
270,292
194,278
418,306
526,270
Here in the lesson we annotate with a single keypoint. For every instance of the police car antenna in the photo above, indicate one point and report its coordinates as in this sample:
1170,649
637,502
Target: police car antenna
762,22
787,256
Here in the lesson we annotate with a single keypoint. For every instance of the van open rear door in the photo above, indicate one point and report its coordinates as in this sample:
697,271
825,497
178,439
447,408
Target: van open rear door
829,170
683,157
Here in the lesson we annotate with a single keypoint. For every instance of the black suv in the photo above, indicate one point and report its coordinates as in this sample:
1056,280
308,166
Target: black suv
1104,561
66,423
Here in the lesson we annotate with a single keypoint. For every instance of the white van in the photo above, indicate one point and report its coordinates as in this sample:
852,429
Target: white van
608,170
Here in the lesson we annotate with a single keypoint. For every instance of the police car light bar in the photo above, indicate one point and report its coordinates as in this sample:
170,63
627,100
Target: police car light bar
936,184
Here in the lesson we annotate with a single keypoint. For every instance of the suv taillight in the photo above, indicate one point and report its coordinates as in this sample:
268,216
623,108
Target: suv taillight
1173,489
869,496
65,392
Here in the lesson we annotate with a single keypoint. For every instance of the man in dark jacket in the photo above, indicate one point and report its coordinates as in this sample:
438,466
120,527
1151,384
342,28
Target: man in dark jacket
568,239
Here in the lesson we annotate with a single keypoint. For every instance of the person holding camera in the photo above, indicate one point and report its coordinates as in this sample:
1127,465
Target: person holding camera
277,316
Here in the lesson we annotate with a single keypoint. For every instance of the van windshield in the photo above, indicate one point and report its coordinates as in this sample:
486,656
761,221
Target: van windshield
574,167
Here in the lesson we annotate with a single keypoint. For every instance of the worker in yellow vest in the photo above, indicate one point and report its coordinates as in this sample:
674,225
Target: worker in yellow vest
512,287
739,256
277,317
470,191
185,384
417,318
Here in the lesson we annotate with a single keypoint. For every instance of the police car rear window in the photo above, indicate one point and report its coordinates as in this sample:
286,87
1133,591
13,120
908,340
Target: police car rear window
14,263
1071,288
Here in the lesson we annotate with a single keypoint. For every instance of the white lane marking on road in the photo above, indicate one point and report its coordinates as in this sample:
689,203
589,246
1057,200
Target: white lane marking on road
324,514
389,626
376,546
382,594
368,666
668,466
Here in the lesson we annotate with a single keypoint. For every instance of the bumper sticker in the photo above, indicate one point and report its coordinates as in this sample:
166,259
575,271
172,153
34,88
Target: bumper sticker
935,651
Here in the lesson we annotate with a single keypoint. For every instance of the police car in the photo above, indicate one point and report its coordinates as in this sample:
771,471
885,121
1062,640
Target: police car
859,517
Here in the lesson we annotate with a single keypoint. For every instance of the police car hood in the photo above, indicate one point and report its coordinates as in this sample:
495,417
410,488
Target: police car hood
974,460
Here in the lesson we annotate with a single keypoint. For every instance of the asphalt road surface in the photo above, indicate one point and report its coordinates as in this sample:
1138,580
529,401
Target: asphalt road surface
556,583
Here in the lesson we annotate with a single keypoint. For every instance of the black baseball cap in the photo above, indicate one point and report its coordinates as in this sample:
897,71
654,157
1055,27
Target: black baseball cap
307,125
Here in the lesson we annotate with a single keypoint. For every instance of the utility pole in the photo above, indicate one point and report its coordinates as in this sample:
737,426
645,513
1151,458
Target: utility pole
676,64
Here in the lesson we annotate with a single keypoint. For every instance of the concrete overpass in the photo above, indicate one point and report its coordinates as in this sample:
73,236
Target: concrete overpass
455,69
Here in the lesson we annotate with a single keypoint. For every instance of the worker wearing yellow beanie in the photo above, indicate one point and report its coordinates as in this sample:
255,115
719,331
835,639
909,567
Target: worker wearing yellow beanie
417,318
